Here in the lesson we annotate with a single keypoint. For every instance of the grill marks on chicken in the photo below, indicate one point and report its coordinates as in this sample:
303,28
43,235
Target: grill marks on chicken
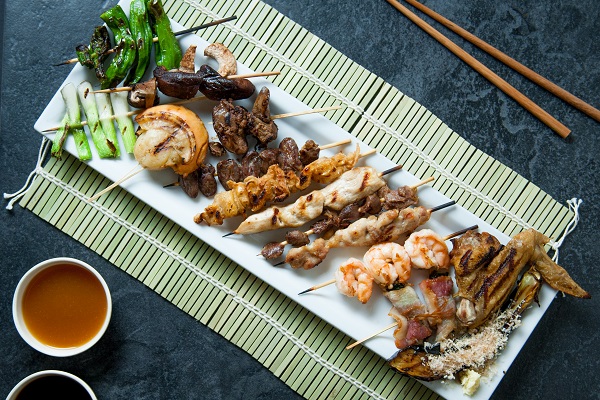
352,186
275,186
389,226
486,273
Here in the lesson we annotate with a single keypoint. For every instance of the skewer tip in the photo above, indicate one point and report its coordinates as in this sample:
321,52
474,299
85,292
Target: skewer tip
306,291
279,263
228,234
442,206
393,169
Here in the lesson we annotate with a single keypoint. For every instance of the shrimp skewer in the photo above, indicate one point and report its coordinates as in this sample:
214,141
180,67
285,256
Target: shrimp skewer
447,237
353,280
427,250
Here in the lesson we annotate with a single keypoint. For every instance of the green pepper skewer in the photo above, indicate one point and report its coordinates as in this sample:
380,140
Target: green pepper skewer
93,56
167,50
142,34
117,21
154,39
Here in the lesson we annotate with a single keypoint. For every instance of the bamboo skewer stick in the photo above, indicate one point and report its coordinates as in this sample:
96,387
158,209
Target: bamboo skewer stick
305,112
133,172
447,237
154,40
379,332
512,63
278,116
250,75
500,83
139,169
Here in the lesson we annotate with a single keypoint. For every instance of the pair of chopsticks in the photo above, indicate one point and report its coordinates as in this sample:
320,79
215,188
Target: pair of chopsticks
509,90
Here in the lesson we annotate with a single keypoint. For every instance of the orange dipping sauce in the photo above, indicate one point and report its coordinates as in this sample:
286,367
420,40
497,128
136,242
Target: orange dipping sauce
64,306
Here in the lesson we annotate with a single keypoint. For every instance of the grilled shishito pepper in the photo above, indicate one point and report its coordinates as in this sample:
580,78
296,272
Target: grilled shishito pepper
142,34
124,59
93,56
167,51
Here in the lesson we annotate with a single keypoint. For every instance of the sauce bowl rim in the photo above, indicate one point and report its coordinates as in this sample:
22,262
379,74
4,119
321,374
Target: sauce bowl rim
49,372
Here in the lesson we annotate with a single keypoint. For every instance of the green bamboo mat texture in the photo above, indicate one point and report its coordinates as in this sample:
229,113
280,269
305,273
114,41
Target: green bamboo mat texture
298,347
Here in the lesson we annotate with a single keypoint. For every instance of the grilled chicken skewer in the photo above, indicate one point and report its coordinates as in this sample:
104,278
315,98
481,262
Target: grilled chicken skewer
351,186
276,185
392,199
389,226
485,282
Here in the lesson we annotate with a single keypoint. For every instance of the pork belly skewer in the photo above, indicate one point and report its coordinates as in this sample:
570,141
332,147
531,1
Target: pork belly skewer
391,270
389,226
276,185
399,199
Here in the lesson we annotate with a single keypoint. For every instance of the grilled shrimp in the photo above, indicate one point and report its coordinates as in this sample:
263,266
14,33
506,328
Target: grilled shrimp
427,250
388,264
353,280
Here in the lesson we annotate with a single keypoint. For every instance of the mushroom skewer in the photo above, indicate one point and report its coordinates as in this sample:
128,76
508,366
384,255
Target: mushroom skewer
275,249
236,76
182,32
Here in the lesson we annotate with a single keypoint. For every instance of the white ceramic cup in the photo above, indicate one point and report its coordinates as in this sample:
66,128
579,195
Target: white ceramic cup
27,380
18,312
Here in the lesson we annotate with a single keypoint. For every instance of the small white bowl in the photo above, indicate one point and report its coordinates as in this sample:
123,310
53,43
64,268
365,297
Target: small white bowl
14,394
18,312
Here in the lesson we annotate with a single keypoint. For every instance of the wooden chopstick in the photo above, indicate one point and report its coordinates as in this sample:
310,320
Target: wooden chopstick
500,83
512,63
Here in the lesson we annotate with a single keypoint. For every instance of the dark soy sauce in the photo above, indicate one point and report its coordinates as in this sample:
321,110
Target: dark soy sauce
54,387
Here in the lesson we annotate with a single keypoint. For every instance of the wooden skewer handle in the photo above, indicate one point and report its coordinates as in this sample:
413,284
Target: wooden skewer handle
387,328
512,63
500,83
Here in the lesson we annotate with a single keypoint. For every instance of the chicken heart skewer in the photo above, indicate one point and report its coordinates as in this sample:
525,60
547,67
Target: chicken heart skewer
230,170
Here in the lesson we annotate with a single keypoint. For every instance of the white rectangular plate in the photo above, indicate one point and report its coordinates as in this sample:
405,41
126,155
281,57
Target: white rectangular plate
346,314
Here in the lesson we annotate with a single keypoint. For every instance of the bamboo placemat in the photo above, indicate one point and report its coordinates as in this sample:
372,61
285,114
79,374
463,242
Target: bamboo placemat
298,347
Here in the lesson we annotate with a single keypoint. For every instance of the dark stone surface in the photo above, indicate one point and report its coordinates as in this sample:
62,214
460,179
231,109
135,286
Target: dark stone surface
152,350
